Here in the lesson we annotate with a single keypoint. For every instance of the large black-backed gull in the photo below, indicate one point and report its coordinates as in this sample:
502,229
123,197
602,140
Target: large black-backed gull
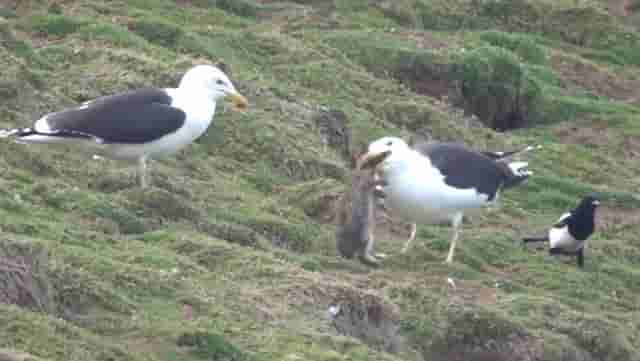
502,156
438,182
139,124
569,234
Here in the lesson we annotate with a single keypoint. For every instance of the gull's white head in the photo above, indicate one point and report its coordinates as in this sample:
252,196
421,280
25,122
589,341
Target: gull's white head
214,82
385,153
392,144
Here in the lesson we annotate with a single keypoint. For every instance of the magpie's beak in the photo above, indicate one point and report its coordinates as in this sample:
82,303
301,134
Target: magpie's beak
372,159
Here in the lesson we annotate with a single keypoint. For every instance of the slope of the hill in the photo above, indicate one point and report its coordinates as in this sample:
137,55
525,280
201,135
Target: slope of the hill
230,255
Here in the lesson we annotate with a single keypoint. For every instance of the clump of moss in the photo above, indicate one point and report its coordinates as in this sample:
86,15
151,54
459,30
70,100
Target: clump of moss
231,232
25,277
127,222
480,334
52,338
441,15
496,86
296,237
159,202
7,13
211,346
19,47
402,12
316,198
520,14
55,24
114,34
243,8
523,45
238,7
158,32
283,233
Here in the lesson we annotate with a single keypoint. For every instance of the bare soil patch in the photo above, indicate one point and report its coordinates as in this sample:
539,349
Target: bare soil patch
358,311
599,134
434,85
469,292
589,76
620,7
433,81
368,318
596,134
631,147
14,355
515,348
613,219
472,334
425,40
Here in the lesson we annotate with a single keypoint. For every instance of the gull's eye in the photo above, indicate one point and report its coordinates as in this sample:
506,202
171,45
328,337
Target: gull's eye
389,143
220,82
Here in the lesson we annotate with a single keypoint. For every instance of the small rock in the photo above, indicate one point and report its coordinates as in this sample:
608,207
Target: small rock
334,310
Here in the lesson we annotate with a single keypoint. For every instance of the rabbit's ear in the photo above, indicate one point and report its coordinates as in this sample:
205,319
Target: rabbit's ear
354,160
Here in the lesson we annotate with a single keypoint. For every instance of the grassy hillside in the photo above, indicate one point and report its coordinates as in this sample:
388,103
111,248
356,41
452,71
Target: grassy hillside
230,255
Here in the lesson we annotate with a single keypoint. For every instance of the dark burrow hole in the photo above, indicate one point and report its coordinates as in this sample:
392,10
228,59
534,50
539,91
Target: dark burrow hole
499,106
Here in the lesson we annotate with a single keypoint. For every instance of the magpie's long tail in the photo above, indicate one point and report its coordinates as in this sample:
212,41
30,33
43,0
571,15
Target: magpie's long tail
535,239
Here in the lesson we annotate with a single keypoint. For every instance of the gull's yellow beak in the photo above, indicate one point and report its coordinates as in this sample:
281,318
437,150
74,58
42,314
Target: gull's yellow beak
372,159
239,101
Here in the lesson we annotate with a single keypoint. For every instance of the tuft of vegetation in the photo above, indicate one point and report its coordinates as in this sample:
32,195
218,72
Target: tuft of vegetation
158,32
239,7
55,25
497,87
526,47
210,346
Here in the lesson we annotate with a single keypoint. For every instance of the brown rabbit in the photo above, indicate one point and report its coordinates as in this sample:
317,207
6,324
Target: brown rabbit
356,216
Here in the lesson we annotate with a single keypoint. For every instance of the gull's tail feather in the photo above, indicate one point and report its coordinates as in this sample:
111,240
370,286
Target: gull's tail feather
505,155
6,133
31,135
532,147
518,174
520,168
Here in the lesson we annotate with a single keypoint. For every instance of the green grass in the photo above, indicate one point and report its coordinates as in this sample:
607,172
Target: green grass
230,255
55,25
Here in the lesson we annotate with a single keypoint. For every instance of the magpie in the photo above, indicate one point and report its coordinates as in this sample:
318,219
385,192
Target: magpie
568,235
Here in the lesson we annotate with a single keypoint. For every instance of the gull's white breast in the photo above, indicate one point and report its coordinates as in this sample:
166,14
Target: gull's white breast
421,195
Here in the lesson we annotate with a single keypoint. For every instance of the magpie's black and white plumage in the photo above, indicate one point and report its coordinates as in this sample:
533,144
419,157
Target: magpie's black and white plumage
437,182
139,124
569,234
